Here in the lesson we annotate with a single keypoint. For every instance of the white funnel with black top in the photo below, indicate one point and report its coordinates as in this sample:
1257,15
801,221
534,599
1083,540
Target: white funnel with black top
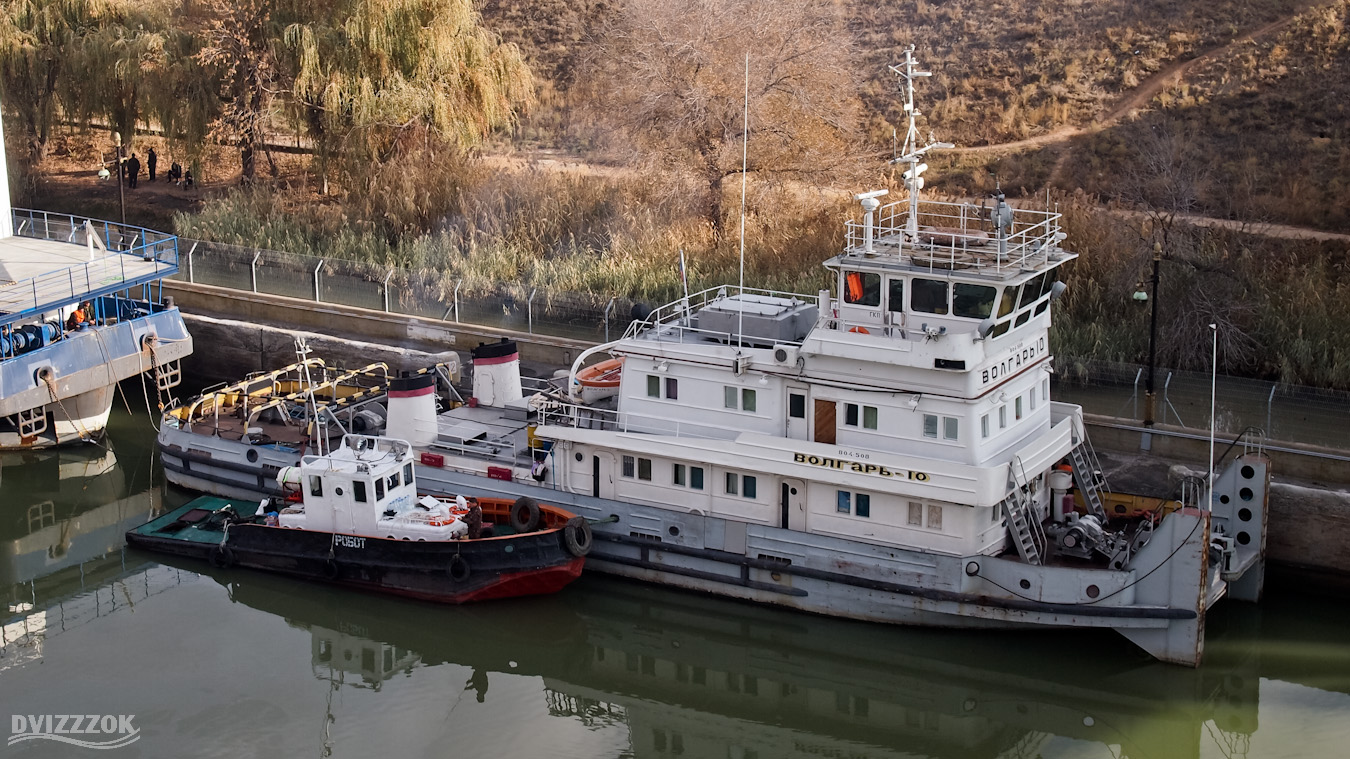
496,373
412,409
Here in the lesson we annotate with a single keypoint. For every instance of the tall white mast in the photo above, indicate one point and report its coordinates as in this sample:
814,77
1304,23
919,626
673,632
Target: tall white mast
912,152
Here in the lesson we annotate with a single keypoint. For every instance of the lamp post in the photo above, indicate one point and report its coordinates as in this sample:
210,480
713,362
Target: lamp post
1150,399
121,192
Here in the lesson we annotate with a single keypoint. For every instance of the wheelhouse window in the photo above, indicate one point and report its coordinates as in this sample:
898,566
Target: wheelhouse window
379,489
1005,307
895,295
928,296
862,288
315,485
359,490
973,301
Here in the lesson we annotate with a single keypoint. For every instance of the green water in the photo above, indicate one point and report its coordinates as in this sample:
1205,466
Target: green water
241,664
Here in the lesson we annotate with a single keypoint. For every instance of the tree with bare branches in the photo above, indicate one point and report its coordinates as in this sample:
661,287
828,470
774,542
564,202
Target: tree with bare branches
671,80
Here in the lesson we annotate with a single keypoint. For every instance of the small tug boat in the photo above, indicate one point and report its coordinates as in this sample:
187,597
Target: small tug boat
353,517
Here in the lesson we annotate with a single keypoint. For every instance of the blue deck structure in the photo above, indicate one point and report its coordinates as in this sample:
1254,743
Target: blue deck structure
57,377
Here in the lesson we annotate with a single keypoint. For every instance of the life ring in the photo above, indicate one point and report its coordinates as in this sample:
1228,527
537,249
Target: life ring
331,570
524,515
859,330
459,568
577,536
221,557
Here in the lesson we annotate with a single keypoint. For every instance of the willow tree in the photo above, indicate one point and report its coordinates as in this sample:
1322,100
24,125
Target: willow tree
393,87
36,37
237,45
671,76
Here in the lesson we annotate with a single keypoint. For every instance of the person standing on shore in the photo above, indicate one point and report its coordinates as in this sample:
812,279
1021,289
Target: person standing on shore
150,160
133,170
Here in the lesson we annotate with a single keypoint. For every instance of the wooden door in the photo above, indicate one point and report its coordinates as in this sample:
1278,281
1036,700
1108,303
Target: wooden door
824,422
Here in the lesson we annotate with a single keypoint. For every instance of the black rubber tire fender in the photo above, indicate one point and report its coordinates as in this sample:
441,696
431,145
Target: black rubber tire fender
331,570
525,514
459,568
221,557
577,536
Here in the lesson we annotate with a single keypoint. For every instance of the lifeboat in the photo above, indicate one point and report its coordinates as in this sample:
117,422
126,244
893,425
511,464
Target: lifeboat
599,381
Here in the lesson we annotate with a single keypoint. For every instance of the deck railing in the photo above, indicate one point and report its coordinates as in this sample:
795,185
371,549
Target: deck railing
952,229
672,313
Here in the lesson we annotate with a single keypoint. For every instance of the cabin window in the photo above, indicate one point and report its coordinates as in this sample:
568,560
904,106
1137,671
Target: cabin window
845,502
973,301
1017,408
393,480
915,514
984,426
867,415
359,490
934,517
1032,290
1045,389
628,466
950,428
895,300
678,477
862,505
928,296
745,486
315,485
1031,398
653,386
851,414
1003,417
379,489
796,406
696,477
744,397
672,388
407,473
930,425
862,289
644,469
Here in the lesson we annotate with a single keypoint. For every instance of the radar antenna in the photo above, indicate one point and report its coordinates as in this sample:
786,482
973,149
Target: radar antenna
911,150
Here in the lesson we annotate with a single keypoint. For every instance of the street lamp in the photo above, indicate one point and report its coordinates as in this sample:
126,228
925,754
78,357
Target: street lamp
1140,296
121,192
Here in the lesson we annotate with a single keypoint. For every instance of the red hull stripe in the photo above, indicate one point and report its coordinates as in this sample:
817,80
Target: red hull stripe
497,360
531,582
411,393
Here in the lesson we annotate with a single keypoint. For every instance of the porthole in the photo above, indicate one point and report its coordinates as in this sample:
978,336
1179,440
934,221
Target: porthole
337,491
1244,538
1245,514
580,457
1093,591
1245,494
510,548
1248,472
674,531
252,456
1026,584
1224,498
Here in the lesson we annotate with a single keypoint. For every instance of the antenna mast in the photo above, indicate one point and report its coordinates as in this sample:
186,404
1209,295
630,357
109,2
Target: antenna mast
911,150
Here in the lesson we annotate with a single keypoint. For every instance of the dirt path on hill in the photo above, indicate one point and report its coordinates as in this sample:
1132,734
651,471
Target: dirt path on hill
1136,99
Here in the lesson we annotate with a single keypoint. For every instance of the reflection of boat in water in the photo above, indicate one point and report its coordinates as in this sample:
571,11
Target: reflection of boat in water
706,677
61,546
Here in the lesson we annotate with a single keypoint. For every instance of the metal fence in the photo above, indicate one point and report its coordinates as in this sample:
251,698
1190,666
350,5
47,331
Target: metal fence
429,294
1286,412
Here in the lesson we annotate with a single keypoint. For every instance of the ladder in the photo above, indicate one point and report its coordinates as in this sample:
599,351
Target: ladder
1024,524
31,422
1087,473
167,376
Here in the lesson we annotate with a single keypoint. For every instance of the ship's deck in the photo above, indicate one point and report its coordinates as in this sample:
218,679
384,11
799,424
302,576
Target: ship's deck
39,275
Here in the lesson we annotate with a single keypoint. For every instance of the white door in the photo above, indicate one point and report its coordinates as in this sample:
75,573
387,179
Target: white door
792,505
798,412
602,475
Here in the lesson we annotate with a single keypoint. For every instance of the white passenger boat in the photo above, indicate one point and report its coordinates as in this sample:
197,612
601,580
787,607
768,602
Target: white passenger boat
58,369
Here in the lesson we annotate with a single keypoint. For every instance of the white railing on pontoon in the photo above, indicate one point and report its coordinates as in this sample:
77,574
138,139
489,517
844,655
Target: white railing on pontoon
560,414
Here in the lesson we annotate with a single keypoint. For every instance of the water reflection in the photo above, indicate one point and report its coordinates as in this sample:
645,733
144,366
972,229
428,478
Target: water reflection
62,521
703,677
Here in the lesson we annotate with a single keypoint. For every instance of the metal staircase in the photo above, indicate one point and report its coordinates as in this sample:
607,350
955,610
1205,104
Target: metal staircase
1024,524
1087,474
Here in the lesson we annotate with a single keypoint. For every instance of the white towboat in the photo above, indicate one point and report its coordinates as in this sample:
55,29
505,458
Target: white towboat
887,451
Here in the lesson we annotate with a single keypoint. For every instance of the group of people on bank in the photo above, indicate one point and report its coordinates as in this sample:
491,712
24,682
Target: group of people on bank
131,170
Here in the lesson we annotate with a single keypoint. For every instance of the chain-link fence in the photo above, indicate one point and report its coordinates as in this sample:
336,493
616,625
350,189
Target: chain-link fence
1293,413
1285,412
430,294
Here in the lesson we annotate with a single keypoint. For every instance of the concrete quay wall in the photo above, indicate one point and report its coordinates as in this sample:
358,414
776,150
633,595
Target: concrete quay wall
239,332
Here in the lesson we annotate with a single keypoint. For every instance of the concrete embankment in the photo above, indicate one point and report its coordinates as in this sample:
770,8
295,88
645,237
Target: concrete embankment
238,332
